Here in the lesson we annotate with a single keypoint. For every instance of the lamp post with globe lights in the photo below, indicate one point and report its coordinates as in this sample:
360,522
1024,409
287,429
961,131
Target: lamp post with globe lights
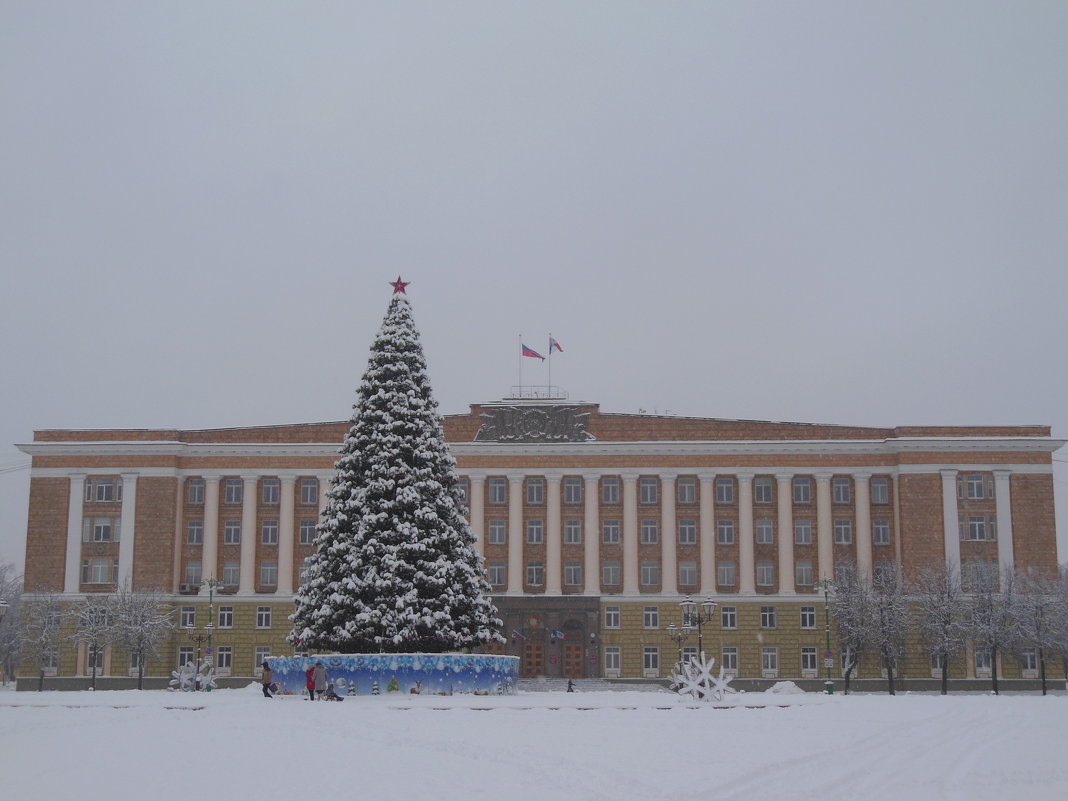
692,618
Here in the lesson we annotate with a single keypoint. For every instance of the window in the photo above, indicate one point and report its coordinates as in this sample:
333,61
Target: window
725,532
193,574
688,573
263,617
765,574
802,490
463,489
651,617
765,532
226,617
496,574
231,574
648,490
883,572
841,490
309,493
535,532
724,490
808,659
307,532
843,532
729,656
497,489
880,490
271,489
185,655
650,573
268,574
610,573
535,491
687,532
572,490
725,574
535,574
808,617
269,532
260,654
979,528
105,490
803,532
1029,659
573,574
976,486
982,662
762,490
232,532
728,617
803,573
843,572
611,617
610,490
194,491
689,653
880,532
496,532
303,570
651,659
611,659
687,490
650,532
610,531
224,659
767,617
187,617
233,490
572,532
769,659
100,529
194,532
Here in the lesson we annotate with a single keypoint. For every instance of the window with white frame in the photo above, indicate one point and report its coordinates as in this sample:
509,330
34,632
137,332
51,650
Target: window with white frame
463,489
769,659
802,531
808,660
187,616
880,490
224,656
612,617
650,531
686,490
802,490
610,531
725,532
765,532
803,573
610,490
1029,660
612,659
808,617
232,532
497,490
651,617
572,489
651,659
194,532
269,532
193,575
689,654
648,490
978,527
496,532
535,491
100,529
185,655
843,571
535,532
573,574
233,490
268,574
688,573
231,574
572,532
880,532
650,573
260,654
687,532
762,490
983,662
765,573
194,491
724,490
496,574
610,573
843,532
309,492
226,617
883,572
303,571
104,490
976,485
725,573
767,617
263,617
307,532
729,657
728,617
535,574
841,490
271,491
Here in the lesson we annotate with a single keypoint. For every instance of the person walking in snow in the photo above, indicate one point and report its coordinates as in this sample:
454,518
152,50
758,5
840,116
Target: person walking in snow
309,682
266,679
319,676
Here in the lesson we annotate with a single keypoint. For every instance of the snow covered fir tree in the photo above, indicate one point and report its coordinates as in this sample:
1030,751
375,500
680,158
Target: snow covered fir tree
395,569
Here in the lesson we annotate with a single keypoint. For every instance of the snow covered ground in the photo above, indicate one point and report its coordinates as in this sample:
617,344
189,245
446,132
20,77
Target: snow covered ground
159,746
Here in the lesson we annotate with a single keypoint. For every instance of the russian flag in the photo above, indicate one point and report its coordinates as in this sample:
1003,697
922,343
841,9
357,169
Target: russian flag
532,353
554,344
559,635
517,636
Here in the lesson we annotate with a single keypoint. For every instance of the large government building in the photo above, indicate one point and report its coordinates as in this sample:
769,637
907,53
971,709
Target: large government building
594,527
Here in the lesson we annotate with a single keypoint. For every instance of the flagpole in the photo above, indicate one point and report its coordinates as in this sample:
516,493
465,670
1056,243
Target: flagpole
550,365
521,365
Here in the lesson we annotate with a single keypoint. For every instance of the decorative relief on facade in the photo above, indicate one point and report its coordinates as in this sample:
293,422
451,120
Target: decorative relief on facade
534,424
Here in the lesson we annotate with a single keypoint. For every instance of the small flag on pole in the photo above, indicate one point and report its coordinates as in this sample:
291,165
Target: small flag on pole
532,353
517,636
558,635
553,344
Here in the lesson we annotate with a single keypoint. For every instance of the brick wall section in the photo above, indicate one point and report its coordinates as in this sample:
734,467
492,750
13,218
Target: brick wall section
1034,531
921,521
154,532
46,533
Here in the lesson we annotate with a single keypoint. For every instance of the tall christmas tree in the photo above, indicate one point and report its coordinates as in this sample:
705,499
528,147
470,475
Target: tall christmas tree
395,568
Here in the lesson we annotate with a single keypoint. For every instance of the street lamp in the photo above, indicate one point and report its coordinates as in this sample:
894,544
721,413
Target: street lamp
199,639
3,610
691,618
679,636
212,584
828,655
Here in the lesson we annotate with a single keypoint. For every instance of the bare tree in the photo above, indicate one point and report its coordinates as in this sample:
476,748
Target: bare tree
140,622
92,618
42,620
991,624
11,622
1036,609
941,615
1060,626
852,615
890,624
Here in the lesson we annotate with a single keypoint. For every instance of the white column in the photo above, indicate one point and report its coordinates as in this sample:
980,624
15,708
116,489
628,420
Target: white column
324,490
476,501
515,535
127,531
1003,498
209,554
248,536
862,498
72,573
824,527
707,517
591,571
285,535
553,544
746,559
784,503
950,529
631,572
669,575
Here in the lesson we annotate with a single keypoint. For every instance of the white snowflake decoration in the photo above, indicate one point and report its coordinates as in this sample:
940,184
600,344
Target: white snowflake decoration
187,678
694,678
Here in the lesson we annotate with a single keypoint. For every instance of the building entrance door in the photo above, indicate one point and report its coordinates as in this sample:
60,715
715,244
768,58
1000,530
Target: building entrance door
574,660
533,660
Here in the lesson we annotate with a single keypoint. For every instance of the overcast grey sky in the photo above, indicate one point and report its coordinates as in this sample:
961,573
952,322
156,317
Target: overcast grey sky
830,212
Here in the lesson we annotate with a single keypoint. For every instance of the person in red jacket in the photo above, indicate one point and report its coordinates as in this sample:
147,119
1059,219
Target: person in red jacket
309,682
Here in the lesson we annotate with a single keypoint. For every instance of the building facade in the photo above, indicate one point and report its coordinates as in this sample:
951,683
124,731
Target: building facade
594,528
